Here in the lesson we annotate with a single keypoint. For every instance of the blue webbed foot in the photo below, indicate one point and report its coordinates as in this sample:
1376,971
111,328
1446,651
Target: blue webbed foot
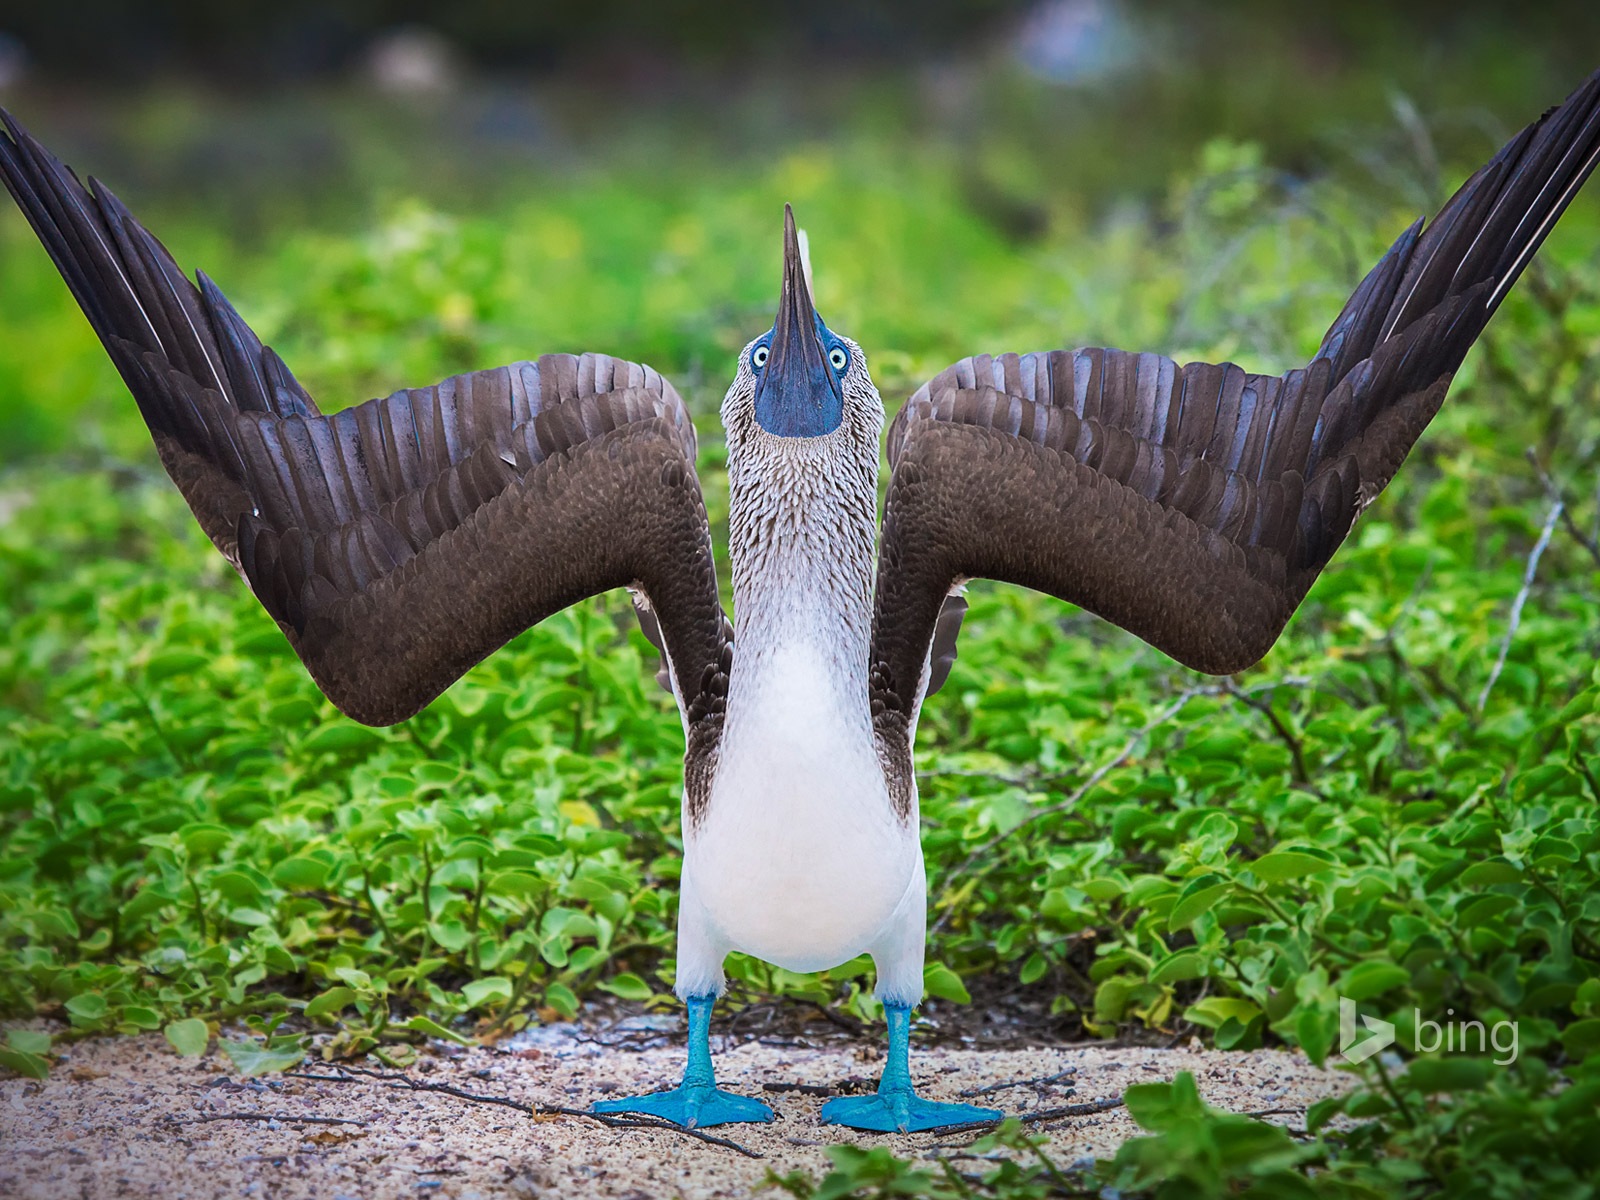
692,1105
697,1102
896,1107
901,1111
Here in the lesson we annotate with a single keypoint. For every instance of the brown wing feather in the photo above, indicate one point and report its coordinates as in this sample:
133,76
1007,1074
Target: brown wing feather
1195,505
398,542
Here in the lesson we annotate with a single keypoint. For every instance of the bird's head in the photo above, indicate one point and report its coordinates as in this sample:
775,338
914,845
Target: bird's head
800,379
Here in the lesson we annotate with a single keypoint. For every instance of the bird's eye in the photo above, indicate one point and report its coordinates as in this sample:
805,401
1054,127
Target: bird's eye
838,358
759,356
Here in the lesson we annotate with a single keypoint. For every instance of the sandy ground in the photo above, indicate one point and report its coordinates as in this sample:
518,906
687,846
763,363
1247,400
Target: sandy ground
127,1117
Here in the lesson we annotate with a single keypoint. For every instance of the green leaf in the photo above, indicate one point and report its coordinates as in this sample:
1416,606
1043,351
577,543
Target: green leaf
300,873
1368,979
29,1066
1198,897
339,737
140,1016
1214,1010
628,986
201,838
1315,1028
188,1037
432,1028
1184,964
29,1041
1323,1111
939,980
251,1058
1582,1038
1279,866
523,885
490,989
331,1001
1489,872
561,998
1161,1106
1452,1074
165,664
90,1006
1104,889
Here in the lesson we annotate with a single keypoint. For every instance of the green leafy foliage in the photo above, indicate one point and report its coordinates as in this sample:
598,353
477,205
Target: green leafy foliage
189,1037
194,840
253,1058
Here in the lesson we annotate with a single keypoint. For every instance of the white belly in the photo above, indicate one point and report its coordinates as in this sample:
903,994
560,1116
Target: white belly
799,859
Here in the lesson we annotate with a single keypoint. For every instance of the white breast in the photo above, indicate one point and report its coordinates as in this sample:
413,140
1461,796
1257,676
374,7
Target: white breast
799,858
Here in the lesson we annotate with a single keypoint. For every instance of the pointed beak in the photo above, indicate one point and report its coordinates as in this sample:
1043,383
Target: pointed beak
797,393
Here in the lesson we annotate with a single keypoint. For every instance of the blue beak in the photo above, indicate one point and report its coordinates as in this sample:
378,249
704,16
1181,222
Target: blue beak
797,393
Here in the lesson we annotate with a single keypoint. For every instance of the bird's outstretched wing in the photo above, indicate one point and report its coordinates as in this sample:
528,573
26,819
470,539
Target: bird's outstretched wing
1195,505
398,542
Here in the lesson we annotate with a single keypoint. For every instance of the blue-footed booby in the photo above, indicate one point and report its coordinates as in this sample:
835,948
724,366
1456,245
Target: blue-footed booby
398,542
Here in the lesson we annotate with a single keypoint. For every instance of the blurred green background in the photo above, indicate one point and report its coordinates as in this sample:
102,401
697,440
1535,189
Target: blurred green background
610,174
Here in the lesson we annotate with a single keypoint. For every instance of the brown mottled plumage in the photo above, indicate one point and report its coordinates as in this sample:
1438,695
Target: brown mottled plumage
398,542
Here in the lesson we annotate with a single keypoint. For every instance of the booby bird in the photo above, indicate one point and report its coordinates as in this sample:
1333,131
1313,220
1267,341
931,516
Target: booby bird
399,542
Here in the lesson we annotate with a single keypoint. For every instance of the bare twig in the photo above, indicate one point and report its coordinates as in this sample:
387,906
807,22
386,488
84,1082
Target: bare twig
1556,509
1285,734
399,1080
1105,1104
286,1118
815,1089
1553,490
1036,1081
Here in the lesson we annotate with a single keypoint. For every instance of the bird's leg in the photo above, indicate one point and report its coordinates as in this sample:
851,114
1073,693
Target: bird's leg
697,1102
896,1108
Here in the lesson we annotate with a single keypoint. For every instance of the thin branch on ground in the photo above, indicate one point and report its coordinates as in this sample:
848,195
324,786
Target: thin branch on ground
1553,490
400,1081
1061,1113
1556,509
804,1089
286,1118
1036,1081
1296,750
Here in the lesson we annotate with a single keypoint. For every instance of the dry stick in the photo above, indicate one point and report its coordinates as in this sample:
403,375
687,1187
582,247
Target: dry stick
804,1089
1296,749
266,1116
1554,492
1100,773
1105,1104
1037,1080
629,1121
1528,573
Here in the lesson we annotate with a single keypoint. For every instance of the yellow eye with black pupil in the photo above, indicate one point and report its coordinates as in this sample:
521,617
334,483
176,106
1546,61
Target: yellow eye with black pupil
758,357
